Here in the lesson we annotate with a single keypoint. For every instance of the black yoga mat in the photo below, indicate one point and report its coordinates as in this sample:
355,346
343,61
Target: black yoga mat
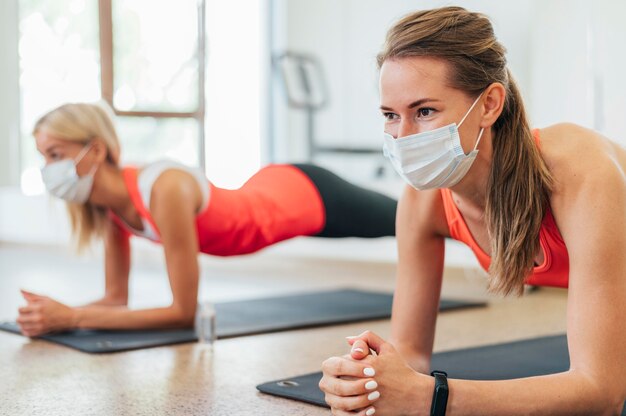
527,358
248,317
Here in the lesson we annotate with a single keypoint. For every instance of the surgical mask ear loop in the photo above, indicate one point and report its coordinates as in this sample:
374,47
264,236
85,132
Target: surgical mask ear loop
82,153
80,157
480,135
93,170
470,109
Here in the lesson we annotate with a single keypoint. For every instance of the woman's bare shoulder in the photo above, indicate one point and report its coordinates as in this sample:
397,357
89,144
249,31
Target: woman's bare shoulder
572,150
579,157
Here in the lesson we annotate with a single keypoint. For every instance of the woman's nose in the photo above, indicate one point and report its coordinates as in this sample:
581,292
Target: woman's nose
406,128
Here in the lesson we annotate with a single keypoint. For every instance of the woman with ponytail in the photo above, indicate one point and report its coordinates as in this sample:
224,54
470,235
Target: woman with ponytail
176,206
540,207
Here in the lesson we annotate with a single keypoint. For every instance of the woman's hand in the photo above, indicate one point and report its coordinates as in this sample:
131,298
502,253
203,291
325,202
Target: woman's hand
349,385
42,315
382,384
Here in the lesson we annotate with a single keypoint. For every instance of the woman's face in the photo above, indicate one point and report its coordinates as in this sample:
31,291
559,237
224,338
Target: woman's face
415,97
54,149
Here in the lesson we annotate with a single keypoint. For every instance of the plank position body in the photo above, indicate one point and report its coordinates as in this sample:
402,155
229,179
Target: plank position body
545,207
177,206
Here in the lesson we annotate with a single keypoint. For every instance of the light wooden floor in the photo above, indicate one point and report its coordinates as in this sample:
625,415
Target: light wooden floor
42,378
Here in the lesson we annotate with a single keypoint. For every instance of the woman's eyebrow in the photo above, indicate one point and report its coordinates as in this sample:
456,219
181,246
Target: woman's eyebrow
422,101
53,147
414,104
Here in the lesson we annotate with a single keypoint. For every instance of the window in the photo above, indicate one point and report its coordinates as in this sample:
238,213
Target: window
153,76
147,59
59,62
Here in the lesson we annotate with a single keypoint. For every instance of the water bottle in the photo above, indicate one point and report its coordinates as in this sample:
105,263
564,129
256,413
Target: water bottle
205,323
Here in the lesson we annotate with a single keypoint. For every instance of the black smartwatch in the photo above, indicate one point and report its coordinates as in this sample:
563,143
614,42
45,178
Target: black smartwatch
440,395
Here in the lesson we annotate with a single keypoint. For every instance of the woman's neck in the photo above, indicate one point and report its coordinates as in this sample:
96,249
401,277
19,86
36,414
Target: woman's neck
472,189
109,189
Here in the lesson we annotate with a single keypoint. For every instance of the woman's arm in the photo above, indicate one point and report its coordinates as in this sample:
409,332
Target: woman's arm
590,209
420,224
589,206
116,266
174,202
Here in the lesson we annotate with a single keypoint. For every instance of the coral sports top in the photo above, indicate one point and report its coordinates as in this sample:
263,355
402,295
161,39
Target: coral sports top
277,203
554,271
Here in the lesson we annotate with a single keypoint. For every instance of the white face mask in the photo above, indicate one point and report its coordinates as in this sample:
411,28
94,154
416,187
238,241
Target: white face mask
432,159
62,180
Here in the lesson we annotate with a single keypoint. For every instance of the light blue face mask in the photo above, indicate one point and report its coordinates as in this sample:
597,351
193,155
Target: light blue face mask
431,159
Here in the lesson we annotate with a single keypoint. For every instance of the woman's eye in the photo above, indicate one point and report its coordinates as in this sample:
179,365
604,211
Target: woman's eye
425,112
390,116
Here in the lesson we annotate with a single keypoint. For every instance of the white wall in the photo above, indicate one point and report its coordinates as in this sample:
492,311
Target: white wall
609,62
578,65
561,86
9,94
38,219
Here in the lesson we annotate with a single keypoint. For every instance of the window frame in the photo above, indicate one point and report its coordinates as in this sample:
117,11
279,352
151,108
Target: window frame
105,16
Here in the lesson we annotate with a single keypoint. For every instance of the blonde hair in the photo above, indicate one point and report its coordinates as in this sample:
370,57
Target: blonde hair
83,122
519,183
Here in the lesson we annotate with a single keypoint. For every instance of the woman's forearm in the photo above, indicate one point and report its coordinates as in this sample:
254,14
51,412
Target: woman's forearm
120,317
108,301
569,393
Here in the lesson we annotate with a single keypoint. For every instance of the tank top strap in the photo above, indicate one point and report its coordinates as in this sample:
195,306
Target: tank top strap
451,213
130,175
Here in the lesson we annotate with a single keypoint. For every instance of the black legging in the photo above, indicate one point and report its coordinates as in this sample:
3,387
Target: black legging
351,211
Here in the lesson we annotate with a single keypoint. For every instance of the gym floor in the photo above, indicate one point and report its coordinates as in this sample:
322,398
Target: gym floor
44,378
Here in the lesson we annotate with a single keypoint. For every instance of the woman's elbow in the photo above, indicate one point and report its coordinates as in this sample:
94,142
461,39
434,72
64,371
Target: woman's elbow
608,395
182,317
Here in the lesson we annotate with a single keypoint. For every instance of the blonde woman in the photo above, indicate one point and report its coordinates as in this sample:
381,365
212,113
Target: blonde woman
177,206
545,207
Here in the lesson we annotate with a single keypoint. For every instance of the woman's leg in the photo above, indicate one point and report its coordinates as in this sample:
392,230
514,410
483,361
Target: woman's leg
351,211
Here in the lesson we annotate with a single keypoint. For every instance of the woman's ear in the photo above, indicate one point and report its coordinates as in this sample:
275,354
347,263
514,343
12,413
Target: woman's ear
493,103
100,150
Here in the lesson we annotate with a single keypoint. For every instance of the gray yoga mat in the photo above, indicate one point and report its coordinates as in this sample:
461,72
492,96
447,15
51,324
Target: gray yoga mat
527,358
248,317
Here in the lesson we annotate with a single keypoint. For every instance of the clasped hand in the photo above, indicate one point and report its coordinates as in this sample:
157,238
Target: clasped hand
382,383
43,314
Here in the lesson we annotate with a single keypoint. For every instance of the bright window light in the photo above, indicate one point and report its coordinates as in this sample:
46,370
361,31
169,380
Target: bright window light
156,68
31,182
233,92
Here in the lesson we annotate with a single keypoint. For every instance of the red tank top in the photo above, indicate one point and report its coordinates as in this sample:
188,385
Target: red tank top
277,203
554,271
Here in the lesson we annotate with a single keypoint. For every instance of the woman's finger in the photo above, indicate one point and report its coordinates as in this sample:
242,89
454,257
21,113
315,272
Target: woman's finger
351,403
31,327
337,412
368,411
31,330
24,310
371,339
340,366
359,350
341,387
30,308
29,318
30,296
